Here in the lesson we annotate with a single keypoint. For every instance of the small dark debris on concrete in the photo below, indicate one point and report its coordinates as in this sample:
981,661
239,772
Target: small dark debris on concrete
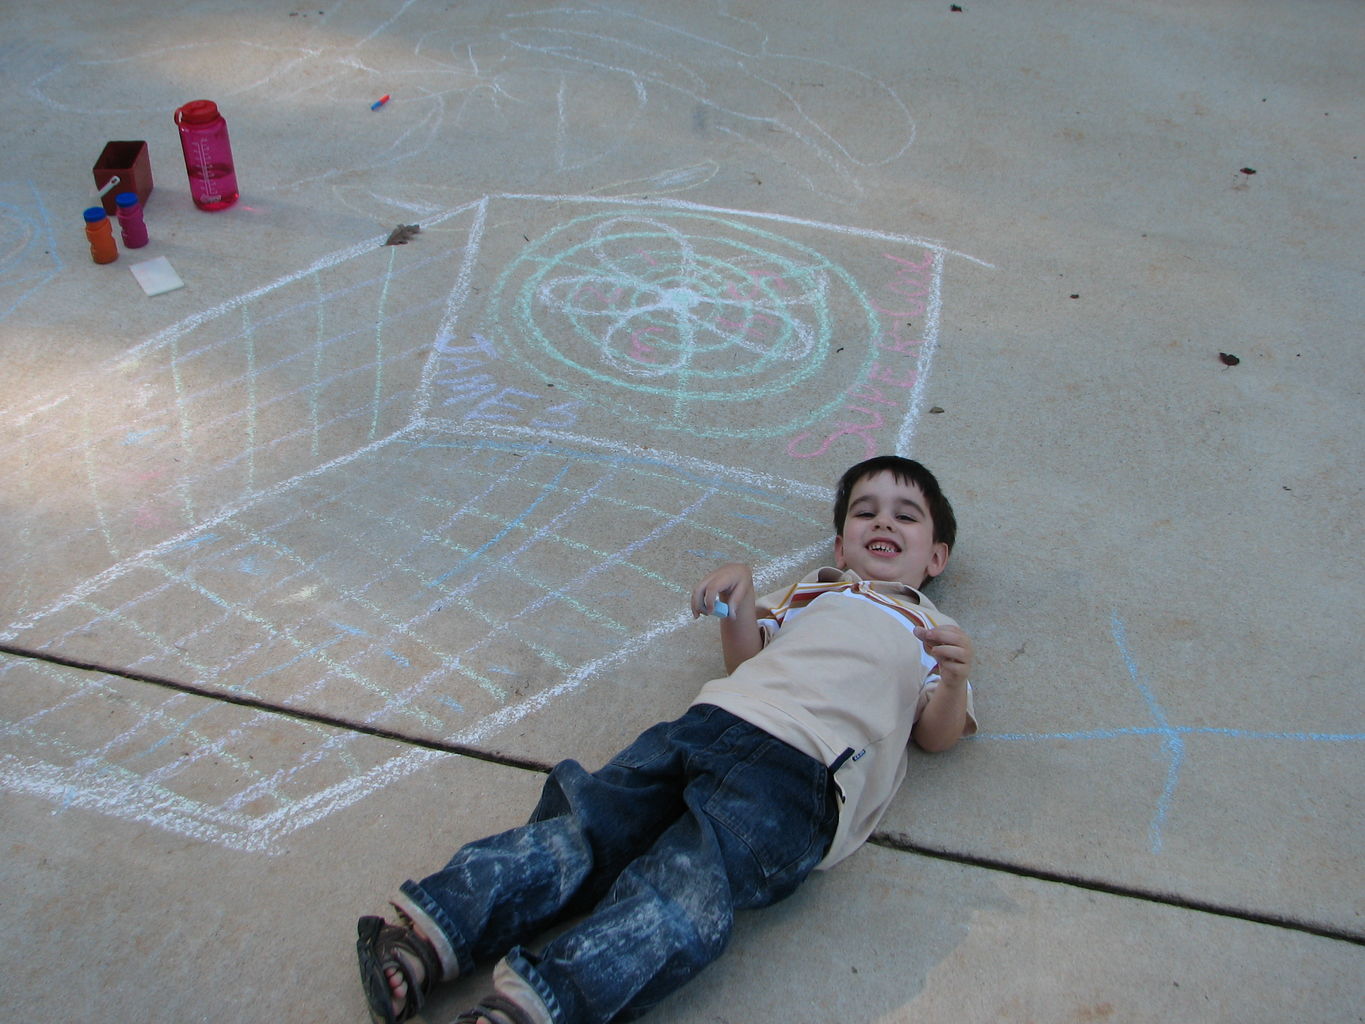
1228,358
1248,171
402,234
955,8
936,410
1075,295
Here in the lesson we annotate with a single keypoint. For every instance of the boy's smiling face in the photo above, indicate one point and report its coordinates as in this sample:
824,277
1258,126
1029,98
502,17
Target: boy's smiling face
888,534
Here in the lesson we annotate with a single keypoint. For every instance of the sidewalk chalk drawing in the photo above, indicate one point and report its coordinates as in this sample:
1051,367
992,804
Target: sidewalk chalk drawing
1174,747
378,631
394,517
696,310
147,440
28,253
555,76
692,322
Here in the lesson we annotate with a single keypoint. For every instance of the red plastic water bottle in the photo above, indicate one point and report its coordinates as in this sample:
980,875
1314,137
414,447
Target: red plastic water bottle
208,155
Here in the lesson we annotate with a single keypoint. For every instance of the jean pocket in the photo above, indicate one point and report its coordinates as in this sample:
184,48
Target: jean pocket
650,746
775,802
694,729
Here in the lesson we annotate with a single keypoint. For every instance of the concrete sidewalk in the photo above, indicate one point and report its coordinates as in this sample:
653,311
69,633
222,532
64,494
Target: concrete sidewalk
313,565
152,924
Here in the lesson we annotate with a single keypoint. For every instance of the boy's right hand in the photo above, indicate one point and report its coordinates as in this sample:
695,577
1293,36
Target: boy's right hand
732,583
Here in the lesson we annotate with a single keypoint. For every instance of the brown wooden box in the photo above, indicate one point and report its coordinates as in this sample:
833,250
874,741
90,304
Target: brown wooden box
129,160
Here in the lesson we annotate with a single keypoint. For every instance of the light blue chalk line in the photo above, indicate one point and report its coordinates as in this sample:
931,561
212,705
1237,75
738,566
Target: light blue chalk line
1174,744
170,736
379,345
761,520
515,524
1300,737
40,235
191,542
252,405
315,391
1183,730
138,436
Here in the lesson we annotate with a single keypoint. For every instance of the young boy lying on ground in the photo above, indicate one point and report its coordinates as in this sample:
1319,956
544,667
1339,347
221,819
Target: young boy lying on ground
784,766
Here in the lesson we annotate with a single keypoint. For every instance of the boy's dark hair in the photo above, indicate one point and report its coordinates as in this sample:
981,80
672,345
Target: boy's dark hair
906,471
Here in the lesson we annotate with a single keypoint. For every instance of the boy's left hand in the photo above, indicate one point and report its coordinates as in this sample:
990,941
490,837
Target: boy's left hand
951,647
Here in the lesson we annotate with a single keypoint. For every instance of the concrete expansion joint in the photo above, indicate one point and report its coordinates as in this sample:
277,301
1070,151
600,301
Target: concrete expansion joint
296,714
901,844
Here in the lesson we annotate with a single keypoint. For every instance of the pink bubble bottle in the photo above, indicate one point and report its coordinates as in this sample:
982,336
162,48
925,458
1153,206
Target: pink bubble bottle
208,155
130,222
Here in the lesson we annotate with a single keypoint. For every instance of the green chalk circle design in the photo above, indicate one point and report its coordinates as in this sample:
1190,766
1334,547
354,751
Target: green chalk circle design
680,313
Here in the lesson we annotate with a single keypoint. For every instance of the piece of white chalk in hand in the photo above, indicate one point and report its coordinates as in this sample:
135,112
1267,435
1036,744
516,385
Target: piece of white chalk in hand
720,609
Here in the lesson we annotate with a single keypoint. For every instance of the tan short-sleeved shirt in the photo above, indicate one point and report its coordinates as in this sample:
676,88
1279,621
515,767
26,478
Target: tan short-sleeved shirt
843,678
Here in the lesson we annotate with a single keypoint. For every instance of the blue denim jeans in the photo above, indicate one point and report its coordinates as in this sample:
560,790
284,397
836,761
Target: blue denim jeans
696,819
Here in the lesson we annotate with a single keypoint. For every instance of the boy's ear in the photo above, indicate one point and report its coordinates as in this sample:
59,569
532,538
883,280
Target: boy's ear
938,558
839,561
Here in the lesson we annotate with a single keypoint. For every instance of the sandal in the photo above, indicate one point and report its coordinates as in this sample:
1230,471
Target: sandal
495,1010
380,945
